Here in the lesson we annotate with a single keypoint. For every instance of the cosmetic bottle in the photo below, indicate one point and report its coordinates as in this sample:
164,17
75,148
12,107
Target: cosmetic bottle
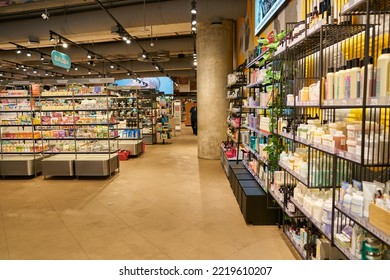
329,93
382,74
370,78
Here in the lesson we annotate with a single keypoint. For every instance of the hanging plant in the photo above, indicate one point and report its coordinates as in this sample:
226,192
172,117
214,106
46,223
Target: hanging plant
275,80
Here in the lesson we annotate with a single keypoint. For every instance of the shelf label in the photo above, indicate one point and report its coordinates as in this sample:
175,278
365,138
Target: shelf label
344,102
358,101
330,102
374,101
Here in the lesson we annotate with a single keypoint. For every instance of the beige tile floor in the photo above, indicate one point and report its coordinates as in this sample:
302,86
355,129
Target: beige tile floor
166,204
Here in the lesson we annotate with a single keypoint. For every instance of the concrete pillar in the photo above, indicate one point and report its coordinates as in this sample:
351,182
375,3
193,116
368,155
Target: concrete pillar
214,47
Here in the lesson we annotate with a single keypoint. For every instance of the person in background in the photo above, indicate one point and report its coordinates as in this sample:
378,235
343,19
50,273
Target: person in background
194,119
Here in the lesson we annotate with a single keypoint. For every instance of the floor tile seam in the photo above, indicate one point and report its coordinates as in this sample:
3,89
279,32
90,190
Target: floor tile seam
4,230
64,223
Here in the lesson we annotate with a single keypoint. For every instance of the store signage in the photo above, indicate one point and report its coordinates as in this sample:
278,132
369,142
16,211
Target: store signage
60,59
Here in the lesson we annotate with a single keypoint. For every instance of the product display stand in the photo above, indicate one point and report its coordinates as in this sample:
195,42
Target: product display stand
148,113
231,148
79,129
332,120
127,109
21,147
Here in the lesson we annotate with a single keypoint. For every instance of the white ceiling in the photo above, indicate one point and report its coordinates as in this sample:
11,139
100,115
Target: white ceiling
166,23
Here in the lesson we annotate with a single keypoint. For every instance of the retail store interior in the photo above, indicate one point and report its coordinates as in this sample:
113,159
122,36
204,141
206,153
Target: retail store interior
195,130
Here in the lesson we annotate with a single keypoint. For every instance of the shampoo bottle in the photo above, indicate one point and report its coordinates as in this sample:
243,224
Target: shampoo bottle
329,93
342,82
355,79
370,78
382,74
337,83
347,80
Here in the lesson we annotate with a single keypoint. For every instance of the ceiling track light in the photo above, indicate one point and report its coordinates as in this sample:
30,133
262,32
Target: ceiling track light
112,66
89,55
193,19
18,51
193,28
42,57
144,55
51,39
193,8
29,54
65,45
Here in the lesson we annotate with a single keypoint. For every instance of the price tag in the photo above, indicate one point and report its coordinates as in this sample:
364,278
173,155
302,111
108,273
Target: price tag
325,102
359,101
330,102
374,101
344,102
348,156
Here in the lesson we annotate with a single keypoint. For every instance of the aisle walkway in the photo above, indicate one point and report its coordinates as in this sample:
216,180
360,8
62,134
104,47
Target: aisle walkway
166,204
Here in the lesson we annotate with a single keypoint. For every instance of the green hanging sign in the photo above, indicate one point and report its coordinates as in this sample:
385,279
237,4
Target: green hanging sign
60,59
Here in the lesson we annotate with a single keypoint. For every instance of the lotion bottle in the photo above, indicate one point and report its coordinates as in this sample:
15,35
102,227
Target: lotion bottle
347,80
355,79
342,82
382,74
329,94
370,78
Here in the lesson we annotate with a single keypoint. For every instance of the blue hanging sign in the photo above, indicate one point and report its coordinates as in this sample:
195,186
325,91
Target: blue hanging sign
60,59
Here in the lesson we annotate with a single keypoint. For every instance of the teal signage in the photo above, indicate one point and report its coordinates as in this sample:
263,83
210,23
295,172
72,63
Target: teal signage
60,59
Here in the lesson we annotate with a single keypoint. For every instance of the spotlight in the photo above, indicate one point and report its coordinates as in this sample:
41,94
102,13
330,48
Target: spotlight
112,66
193,20
157,68
17,67
65,45
89,55
195,63
51,39
124,38
45,16
76,68
128,41
24,69
193,8
193,28
89,72
42,57
18,51
34,71
28,54
144,55
152,44
128,73
46,74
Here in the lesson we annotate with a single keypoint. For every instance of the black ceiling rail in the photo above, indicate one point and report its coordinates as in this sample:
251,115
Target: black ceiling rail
94,53
122,29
